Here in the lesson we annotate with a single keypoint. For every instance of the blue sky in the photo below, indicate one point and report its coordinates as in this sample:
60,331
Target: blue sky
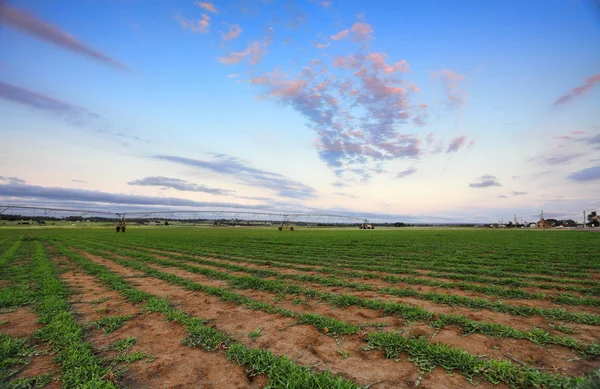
422,110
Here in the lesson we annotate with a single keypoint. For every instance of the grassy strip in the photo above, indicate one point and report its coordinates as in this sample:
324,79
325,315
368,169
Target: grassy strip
264,362
109,324
405,311
8,254
79,366
13,352
282,372
430,355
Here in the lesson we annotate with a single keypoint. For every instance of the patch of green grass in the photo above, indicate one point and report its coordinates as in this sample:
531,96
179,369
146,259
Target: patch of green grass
13,352
562,328
256,333
130,357
122,345
100,300
109,324
38,381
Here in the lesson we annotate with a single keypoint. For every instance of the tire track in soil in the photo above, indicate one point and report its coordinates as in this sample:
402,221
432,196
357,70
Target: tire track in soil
175,366
22,323
283,336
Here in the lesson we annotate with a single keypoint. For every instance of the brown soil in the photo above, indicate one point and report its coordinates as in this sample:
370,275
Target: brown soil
22,323
283,336
237,321
175,366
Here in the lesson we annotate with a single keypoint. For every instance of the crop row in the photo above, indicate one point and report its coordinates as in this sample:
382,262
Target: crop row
438,298
493,290
438,270
524,260
423,352
401,310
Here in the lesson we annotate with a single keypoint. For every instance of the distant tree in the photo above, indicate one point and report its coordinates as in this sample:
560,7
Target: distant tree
593,219
510,224
399,224
552,222
166,223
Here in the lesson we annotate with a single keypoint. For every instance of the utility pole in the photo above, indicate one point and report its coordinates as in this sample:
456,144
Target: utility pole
583,219
515,220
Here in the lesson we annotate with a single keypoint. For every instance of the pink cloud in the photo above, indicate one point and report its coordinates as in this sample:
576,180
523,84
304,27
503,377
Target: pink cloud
456,97
233,32
379,64
207,6
254,52
320,45
326,3
580,90
456,144
578,132
202,25
40,29
340,35
362,31
233,75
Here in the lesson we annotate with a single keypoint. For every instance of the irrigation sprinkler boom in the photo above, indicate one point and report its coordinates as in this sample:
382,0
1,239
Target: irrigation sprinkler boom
284,219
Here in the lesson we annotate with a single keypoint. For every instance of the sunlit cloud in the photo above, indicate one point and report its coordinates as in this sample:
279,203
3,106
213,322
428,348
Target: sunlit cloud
233,32
207,6
589,83
201,25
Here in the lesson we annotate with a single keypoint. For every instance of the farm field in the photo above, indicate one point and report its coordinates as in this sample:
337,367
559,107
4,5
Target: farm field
313,308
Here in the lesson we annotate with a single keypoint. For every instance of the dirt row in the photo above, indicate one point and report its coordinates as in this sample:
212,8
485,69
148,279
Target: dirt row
304,343
171,364
549,357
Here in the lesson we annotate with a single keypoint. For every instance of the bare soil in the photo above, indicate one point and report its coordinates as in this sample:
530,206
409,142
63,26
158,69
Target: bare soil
283,336
239,321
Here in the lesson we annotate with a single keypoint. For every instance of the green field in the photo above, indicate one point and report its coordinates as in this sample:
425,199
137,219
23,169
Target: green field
313,308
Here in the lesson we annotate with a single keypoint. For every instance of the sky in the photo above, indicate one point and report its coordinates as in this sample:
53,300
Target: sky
415,111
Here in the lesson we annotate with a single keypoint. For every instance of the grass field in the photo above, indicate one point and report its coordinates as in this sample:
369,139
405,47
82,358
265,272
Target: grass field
254,308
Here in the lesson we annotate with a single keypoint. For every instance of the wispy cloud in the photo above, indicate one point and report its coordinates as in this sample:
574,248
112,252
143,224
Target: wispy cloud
236,168
233,75
23,191
74,114
406,173
79,181
456,144
456,97
516,193
485,182
207,6
557,159
233,32
253,52
362,32
341,35
12,180
201,25
346,195
588,174
580,90
42,30
179,184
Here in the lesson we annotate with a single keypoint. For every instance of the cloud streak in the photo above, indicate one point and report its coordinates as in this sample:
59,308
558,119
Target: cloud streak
42,30
589,83
179,184
485,182
236,168
253,52
72,113
207,6
588,174
22,191
233,32
456,144
12,180
406,173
